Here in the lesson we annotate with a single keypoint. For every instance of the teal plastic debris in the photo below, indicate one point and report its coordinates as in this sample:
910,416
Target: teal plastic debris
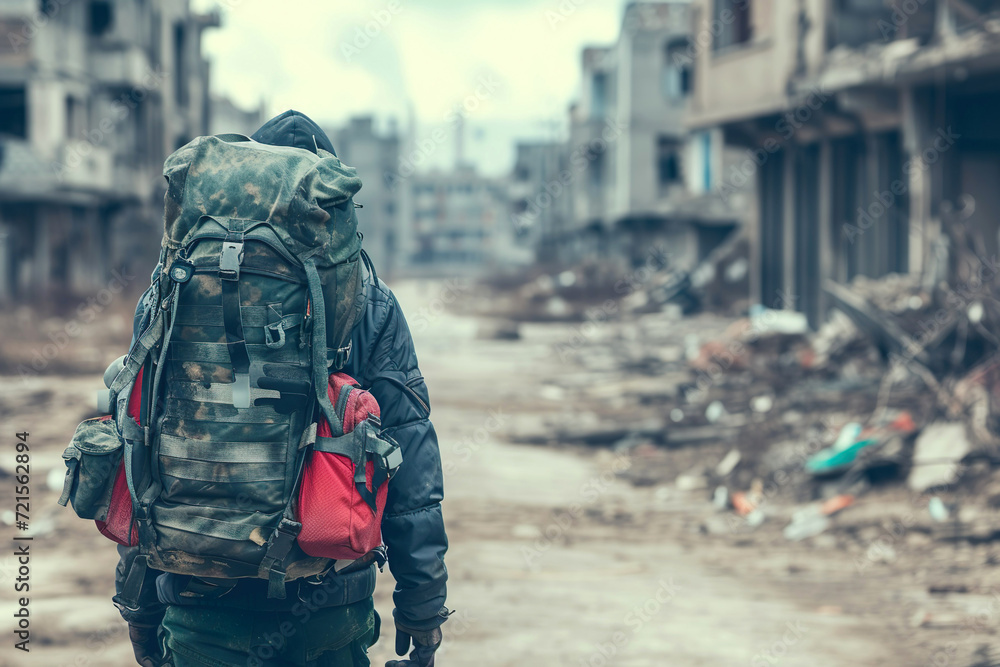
842,453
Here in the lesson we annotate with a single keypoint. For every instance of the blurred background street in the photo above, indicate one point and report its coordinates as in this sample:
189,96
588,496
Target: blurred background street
705,294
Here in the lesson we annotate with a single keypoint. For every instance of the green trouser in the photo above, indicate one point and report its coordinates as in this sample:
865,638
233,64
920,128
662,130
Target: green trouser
230,637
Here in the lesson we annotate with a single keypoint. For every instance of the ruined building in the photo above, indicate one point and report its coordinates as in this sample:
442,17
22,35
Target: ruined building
638,178
375,154
870,128
93,96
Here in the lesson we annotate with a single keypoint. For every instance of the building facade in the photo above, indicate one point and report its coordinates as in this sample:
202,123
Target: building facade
461,223
540,198
637,177
870,129
375,154
93,96
226,116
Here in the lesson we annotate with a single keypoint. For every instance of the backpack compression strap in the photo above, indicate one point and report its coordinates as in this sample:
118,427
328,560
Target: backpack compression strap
279,544
131,433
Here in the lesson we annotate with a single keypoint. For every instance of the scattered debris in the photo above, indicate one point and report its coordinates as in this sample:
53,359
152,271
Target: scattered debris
728,463
939,449
806,523
721,498
715,411
842,454
499,330
691,481
938,510
836,504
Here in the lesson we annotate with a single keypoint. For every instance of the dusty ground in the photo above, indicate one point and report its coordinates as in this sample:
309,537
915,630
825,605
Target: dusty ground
555,558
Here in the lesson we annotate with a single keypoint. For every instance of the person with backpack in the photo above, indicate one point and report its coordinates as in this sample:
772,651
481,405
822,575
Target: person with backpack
270,427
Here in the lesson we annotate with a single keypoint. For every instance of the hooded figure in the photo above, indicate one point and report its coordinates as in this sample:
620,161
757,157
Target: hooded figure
185,620
296,129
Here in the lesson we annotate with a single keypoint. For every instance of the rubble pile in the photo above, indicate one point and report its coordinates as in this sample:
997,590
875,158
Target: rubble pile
900,386
773,423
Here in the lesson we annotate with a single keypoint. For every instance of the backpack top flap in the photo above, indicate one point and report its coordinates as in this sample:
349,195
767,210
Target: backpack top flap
305,197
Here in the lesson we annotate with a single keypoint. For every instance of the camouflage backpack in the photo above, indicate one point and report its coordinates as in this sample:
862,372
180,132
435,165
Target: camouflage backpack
251,312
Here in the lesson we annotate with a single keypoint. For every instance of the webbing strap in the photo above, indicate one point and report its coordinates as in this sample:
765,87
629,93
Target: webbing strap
236,343
279,327
225,414
217,392
253,316
361,445
218,353
203,471
181,519
222,452
320,376
278,546
132,588
232,317
341,406
121,389
141,509
345,445
199,431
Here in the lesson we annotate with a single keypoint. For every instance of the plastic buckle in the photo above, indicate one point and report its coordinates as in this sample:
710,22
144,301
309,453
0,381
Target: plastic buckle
269,336
232,257
393,460
283,537
337,359
380,556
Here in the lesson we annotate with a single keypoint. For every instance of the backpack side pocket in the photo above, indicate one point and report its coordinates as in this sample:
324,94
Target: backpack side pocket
92,461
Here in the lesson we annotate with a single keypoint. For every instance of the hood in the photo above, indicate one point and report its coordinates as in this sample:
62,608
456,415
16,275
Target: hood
293,128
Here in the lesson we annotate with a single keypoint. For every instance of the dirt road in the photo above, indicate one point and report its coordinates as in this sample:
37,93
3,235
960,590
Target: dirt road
554,559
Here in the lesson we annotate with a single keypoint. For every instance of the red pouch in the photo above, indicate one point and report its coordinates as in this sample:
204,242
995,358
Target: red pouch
119,526
336,510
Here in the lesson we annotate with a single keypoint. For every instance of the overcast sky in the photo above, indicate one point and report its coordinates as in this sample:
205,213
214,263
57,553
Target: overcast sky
509,67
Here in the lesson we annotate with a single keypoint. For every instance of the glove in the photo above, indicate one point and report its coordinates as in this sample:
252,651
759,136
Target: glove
145,644
425,643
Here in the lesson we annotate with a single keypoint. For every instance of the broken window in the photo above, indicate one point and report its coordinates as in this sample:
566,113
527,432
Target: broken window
13,112
732,18
74,118
596,168
599,95
100,18
180,75
676,71
858,22
668,167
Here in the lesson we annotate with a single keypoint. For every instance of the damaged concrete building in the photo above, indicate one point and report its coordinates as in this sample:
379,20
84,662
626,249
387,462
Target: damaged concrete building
637,177
869,127
375,153
93,96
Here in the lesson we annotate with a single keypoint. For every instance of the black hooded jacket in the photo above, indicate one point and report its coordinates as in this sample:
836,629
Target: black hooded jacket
384,362
293,128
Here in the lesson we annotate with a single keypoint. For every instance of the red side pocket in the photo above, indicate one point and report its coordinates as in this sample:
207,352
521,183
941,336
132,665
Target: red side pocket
336,521
119,526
